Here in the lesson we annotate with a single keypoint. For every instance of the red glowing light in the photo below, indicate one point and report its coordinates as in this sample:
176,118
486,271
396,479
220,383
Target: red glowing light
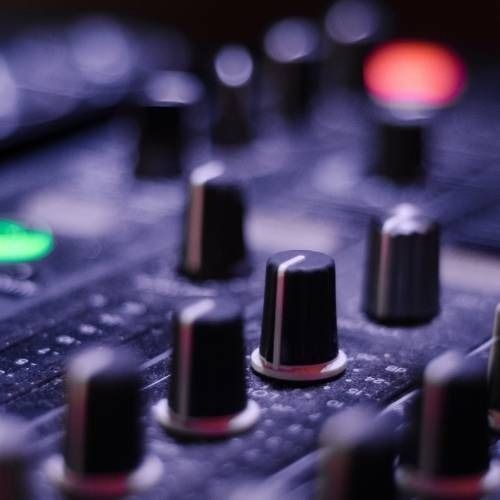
414,74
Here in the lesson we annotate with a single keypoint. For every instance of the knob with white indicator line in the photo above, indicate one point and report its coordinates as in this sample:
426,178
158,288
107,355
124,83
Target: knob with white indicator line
299,323
214,243
358,452
452,458
401,283
13,459
103,446
207,392
494,374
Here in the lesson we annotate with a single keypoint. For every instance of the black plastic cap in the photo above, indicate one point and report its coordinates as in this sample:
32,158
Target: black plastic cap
170,107
454,439
213,243
208,363
234,96
300,308
359,450
401,280
103,430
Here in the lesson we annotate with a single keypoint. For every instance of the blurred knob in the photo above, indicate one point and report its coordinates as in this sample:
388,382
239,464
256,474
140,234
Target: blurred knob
299,323
13,459
103,451
233,120
401,282
214,244
207,394
494,374
358,456
170,114
453,442
400,147
291,67
352,27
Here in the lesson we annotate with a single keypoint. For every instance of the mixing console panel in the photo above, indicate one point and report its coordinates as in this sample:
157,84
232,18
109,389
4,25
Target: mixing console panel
234,283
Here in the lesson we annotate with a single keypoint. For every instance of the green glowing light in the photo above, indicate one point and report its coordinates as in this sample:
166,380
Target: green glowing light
21,244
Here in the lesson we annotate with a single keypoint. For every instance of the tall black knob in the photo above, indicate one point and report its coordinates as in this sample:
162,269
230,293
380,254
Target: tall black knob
359,450
170,109
494,374
400,153
214,243
14,441
352,27
103,450
207,393
453,442
291,67
234,106
299,322
402,267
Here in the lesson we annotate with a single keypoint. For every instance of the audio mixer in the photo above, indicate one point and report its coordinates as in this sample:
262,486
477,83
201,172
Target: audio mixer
272,274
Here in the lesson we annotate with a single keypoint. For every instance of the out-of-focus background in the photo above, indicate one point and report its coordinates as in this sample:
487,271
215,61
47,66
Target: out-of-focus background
472,24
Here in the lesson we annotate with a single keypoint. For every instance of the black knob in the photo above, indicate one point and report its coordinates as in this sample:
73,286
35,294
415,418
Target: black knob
453,443
402,267
103,449
494,374
358,453
214,243
234,107
400,146
291,67
352,27
14,441
170,112
207,393
299,323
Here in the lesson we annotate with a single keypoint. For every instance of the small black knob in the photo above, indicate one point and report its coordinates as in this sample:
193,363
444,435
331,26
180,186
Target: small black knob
170,112
14,441
402,267
453,442
352,27
494,374
214,242
400,147
234,106
207,393
299,323
359,450
291,67
103,449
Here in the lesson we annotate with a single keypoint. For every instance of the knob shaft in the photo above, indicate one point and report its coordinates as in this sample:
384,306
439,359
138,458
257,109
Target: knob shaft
358,457
103,449
402,267
13,459
352,27
233,108
494,374
214,243
207,393
291,67
171,107
299,323
453,443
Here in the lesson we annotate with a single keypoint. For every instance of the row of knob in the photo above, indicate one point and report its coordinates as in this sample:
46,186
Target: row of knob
174,110
402,268
444,453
